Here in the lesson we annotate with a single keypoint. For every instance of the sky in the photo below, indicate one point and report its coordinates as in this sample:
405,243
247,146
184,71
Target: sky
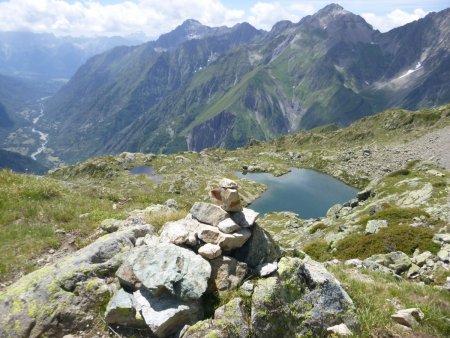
154,17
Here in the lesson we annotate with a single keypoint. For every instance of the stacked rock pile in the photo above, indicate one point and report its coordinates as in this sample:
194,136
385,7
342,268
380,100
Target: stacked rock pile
163,278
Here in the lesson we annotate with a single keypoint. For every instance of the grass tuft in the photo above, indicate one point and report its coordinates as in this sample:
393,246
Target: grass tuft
158,219
318,250
394,238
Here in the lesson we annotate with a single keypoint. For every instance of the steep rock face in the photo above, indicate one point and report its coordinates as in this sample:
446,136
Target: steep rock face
212,132
118,86
5,121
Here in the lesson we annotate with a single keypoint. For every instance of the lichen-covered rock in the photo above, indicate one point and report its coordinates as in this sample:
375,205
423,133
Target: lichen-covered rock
422,258
305,299
208,213
121,310
60,298
259,249
165,267
236,315
373,226
226,274
230,321
397,261
165,314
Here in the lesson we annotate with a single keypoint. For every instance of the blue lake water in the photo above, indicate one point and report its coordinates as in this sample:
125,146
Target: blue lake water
147,171
303,191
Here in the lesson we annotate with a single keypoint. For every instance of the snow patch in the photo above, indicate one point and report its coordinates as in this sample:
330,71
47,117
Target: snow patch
410,71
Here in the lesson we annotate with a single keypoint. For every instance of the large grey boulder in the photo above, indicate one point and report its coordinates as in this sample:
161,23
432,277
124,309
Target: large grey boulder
61,298
165,314
304,300
259,249
208,213
397,261
165,267
226,274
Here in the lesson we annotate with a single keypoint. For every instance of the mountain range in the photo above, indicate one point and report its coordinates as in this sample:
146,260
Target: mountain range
199,87
45,56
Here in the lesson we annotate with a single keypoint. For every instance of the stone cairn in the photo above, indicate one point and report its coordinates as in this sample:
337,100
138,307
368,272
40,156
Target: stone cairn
163,278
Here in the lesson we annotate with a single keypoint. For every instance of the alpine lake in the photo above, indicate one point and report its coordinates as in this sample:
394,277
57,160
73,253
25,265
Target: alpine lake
302,191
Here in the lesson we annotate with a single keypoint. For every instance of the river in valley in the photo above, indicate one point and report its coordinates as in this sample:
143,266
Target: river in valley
303,191
43,137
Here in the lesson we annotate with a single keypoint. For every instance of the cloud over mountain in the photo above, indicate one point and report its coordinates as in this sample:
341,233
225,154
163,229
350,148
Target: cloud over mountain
154,17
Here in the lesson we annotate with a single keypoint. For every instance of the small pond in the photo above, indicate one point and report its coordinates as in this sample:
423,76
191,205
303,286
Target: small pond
303,191
147,171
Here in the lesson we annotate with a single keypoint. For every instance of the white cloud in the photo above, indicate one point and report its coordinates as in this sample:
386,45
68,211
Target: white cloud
393,19
154,17
90,17
266,14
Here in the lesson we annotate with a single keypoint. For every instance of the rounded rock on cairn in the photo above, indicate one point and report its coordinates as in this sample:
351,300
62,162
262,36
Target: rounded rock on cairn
227,195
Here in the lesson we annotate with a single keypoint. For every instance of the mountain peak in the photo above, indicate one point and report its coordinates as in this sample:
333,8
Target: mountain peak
191,23
331,10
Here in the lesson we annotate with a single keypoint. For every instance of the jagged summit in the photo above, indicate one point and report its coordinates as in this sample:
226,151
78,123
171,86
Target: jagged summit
332,9
191,23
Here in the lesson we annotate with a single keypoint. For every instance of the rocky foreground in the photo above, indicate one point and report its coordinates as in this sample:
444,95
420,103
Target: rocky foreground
161,284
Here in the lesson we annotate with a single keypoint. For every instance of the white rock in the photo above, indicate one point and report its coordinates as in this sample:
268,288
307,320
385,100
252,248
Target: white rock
268,269
441,238
444,253
228,226
373,226
422,258
357,263
246,218
228,184
408,317
210,251
340,330
180,232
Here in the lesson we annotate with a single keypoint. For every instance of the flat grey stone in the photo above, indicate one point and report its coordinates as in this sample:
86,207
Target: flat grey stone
245,218
208,213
